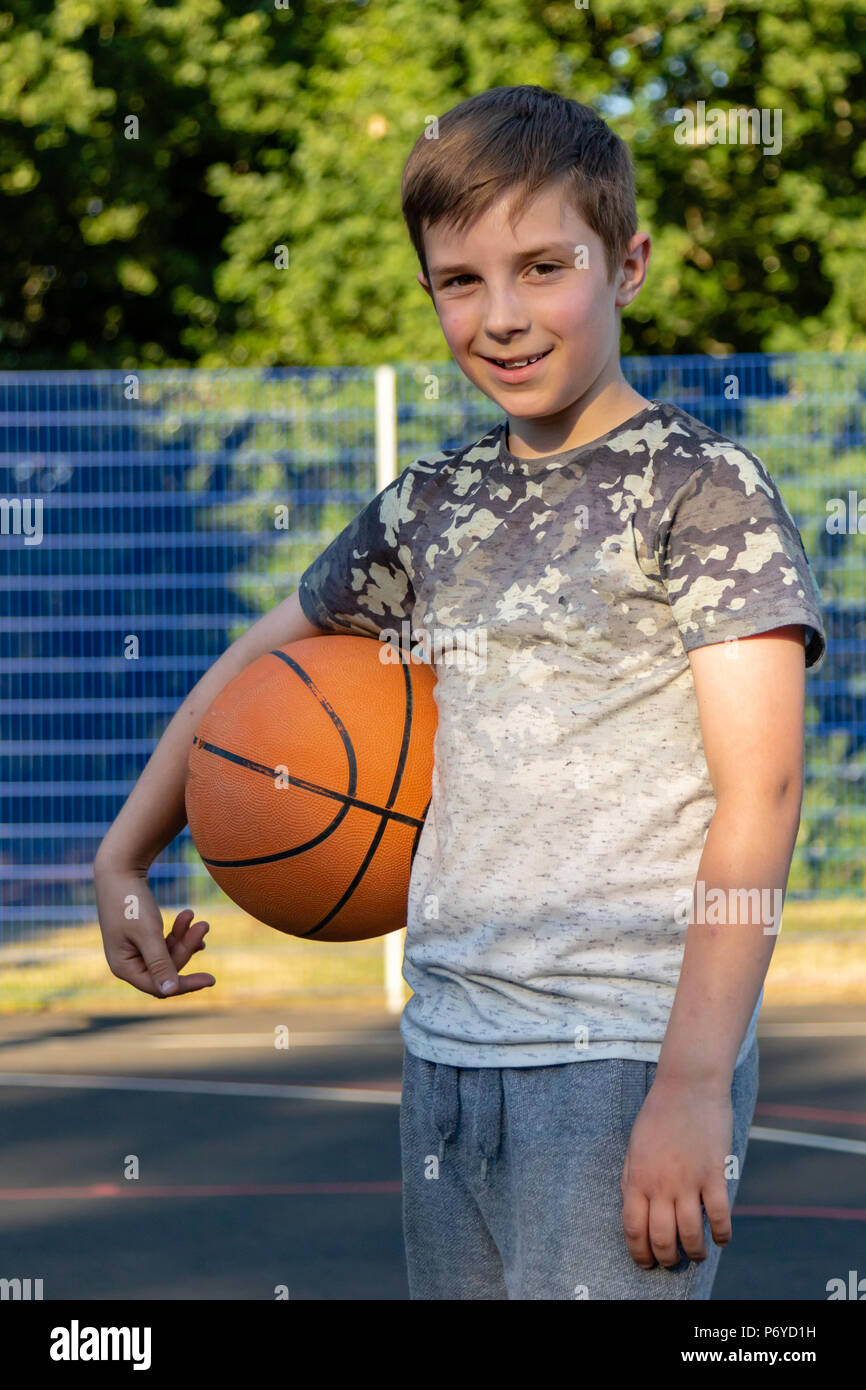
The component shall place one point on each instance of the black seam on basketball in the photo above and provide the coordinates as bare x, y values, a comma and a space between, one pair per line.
351, 887
234, 757
332, 713
404, 744
272, 773
385, 815
350, 803
418, 835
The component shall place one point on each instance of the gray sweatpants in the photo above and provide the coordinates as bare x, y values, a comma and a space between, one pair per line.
511, 1181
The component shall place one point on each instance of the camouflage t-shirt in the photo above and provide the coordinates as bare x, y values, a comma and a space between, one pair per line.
558, 598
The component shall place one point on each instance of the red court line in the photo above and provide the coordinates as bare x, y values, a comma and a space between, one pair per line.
134, 1189
329, 1189
809, 1213
808, 1112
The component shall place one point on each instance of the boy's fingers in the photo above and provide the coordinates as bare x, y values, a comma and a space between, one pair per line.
635, 1224
198, 981
690, 1226
718, 1210
160, 967
164, 957
180, 925
185, 984
182, 950
663, 1231
134, 973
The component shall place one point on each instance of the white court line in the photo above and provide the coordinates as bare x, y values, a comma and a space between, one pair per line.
202, 1088
339, 1093
182, 1040
335, 1037
812, 1030
809, 1141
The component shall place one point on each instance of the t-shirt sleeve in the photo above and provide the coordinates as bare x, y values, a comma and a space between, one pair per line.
732, 560
361, 583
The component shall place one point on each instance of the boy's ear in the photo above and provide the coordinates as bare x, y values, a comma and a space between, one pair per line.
424, 283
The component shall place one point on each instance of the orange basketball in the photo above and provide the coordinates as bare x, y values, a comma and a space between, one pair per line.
309, 781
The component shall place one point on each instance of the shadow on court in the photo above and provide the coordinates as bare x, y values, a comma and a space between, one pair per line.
262, 1168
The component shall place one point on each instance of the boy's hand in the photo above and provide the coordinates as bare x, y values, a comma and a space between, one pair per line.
135, 949
675, 1159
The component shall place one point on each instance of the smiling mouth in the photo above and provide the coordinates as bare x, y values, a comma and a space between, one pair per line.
521, 361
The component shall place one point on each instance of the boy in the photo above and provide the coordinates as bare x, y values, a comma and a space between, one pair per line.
617, 782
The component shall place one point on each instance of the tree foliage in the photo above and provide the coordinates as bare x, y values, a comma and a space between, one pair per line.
154, 158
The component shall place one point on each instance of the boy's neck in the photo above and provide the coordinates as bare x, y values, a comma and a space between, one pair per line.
613, 406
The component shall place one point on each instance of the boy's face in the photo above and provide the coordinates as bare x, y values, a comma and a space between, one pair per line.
513, 294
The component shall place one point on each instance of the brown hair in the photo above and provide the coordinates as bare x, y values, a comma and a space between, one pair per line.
521, 138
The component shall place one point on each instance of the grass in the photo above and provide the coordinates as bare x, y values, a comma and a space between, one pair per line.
820, 957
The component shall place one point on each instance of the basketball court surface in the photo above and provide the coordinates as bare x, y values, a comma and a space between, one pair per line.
263, 1168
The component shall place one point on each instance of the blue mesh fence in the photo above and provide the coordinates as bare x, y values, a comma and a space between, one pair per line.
161, 495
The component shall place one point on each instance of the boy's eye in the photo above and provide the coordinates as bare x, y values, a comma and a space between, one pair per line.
539, 265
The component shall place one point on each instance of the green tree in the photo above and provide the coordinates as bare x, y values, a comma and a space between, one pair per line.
156, 159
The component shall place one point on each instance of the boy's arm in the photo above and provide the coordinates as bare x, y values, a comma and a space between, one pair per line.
155, 812
751, 696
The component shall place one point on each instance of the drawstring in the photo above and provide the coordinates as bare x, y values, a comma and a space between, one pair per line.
487, 1127
446, 1103
488, 1115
